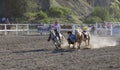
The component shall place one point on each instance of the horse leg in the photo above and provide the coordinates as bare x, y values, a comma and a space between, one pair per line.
79, 44
85, 43
74, 45
69, 45
88, 43
49, 38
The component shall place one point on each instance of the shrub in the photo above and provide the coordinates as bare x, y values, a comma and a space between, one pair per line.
30, 15
41, 15
55, 12
47, 20
102, 13
92, 20
66, 11
58, 11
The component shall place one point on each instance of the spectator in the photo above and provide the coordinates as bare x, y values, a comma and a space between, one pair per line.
3, 19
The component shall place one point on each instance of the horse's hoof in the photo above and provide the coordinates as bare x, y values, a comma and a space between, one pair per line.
78, 48
86, 48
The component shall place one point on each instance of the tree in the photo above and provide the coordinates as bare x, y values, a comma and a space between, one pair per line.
17, 8
114, 8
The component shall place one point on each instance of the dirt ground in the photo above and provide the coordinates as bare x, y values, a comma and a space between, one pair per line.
35, 53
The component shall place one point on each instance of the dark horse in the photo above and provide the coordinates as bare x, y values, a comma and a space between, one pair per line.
56, 40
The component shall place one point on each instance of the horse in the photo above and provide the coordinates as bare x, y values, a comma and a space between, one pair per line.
81, 38
57, 42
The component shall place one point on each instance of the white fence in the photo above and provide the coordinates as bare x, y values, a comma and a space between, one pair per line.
109, 28
28, 29
17, 29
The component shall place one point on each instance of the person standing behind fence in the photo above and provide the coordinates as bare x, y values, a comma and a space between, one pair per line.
3, 20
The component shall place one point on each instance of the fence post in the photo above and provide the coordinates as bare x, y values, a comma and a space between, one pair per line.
28, 31
59, 28
5, 25
73, 29
16, 29
96, 28
111, 30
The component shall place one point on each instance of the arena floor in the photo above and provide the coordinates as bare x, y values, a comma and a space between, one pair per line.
35, 53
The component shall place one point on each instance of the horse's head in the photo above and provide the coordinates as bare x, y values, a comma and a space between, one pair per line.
62, 37
56, 38
78, 31
52, 34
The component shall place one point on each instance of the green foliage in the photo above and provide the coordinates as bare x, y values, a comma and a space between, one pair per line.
30, 16
30, 10
92, 20
55, 12
112, 19
17, 8
54, 3
45, 20
41, 15
73, 19
66, 11
58, 11
114, 8
31, 5
102, 13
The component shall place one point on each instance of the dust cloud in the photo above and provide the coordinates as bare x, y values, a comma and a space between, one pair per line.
64, 43
95, 42
100, 42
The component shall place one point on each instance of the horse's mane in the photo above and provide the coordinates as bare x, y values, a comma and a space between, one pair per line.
52, 31
62, 36
79, 31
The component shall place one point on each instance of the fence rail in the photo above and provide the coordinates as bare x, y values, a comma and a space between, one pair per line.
112, 29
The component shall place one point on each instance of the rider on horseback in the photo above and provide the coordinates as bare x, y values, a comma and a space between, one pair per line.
85, 33
55, 27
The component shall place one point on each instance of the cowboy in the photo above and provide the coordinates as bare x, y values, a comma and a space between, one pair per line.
85, 33
55, 27
71, 38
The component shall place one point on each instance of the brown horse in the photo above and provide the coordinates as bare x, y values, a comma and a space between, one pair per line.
81, 38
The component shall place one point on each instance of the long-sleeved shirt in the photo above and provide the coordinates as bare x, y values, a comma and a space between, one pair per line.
72, 37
